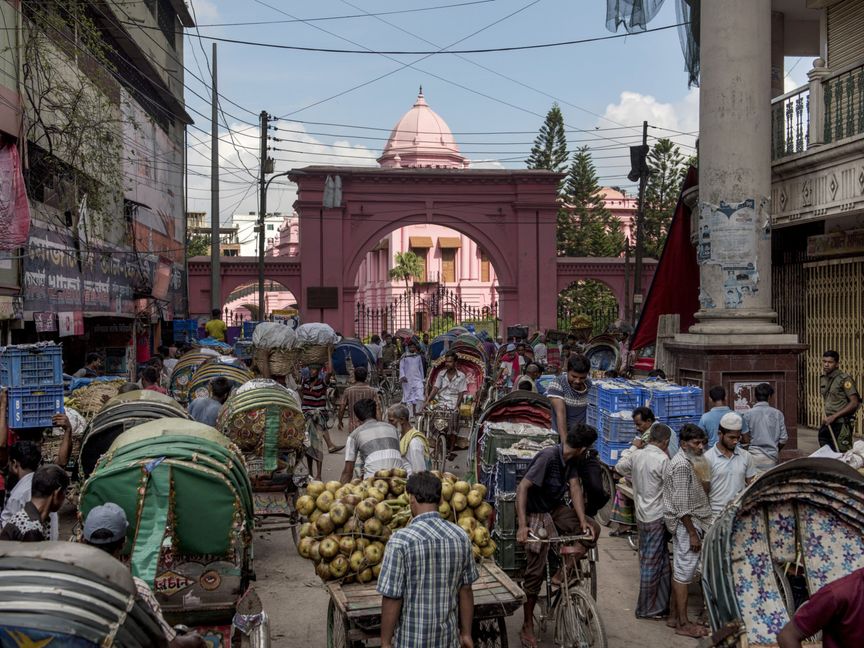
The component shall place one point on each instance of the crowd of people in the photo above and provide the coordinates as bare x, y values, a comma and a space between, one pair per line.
681, 481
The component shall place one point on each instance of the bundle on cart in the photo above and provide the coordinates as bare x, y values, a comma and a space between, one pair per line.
348, 525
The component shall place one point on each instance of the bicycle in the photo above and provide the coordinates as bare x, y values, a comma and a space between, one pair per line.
572, 605
291, 483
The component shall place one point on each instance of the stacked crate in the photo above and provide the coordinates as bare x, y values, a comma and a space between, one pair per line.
34, 375
510, 468
610, 411
185, 331
249, 328
674, 405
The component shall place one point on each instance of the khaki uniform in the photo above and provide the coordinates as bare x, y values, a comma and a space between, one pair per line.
837, 390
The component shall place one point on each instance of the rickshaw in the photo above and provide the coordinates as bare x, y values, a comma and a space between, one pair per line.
178, 385
604, 354
233, 371
70, 594
188, 499
437, 422
122, 412
439, 345
798, 527
264, 420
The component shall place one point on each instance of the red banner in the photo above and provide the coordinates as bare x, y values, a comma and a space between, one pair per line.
14, 208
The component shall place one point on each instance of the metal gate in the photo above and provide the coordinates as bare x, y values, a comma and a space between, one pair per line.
434, 311
834, 319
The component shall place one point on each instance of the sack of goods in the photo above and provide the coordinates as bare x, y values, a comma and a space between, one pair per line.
316, 333
270, 335
264, 420
348, 525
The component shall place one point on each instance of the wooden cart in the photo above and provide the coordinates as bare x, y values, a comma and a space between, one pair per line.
354, 613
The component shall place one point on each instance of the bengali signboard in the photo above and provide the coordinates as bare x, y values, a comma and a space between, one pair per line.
848, 242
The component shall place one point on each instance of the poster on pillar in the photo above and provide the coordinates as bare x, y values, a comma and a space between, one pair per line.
728, 239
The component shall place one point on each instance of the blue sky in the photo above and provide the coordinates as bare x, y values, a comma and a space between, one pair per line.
605, 84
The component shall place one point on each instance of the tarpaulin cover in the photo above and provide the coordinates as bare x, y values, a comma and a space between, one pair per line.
675, 288
14, 208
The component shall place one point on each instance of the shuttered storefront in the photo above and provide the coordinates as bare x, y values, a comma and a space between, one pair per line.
845, 33
834, 319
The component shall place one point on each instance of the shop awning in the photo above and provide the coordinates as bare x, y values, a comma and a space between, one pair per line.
449, 242
420, 241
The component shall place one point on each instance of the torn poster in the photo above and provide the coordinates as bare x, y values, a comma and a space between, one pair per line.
727, 233
738, 283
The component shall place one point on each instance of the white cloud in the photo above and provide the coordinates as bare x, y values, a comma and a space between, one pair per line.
633, 107
205, 11
238, 187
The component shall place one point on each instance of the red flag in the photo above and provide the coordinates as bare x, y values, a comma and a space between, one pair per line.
675, 288
14, 208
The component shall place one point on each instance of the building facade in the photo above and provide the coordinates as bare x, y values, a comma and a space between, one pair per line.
102, 168
247, 230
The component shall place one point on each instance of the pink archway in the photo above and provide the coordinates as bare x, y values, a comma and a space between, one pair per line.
511, 214
609, 271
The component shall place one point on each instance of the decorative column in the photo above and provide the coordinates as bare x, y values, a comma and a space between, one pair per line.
736, 341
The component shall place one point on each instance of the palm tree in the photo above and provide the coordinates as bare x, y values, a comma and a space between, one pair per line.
408, 265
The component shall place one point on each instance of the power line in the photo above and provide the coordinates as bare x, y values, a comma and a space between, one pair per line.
480, 50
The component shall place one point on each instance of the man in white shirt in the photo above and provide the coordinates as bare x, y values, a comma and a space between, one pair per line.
645, 468
374, 347
450, 387
24, 459
541, 351
732, 468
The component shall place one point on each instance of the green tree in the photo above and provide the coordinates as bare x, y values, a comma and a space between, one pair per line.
198, 245
587, 299
665, 164
550, 146
585, 226
408, 265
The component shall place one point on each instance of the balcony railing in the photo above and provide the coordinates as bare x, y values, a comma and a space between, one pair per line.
790, 123
827, 110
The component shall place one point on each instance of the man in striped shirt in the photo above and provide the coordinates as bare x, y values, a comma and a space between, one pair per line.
373, 446
354, 393
426, 576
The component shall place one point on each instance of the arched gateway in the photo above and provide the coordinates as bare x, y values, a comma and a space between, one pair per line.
511, 214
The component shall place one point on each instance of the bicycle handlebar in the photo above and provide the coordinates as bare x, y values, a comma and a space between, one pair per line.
559, 540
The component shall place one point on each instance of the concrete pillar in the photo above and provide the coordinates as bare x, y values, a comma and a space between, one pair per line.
734, 237
778, 49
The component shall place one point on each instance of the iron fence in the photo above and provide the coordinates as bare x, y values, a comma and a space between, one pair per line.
790, 123
433, 311
601, 317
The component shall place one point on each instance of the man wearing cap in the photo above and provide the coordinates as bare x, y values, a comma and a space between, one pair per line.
105, 528
732, 468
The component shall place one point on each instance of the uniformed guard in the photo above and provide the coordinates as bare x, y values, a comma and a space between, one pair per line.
841, 401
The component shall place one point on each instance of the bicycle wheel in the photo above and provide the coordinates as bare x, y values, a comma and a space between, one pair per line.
578, 623
588, 576
438, 453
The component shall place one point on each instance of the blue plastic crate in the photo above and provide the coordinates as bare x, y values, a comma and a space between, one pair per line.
31, 366
681, 401
614, 429
610, 453
31, 407
677, 422
509, 471
185, 330
591, 415
249, 328
488, 480
624, 395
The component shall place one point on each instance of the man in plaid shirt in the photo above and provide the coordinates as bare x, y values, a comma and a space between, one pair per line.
428, 570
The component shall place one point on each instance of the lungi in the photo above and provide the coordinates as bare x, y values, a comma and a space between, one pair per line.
654, 572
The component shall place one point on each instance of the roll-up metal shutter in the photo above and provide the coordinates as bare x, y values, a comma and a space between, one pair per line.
845, 33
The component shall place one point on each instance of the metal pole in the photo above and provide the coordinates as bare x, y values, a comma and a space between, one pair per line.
262, 214
216, 276
640, 233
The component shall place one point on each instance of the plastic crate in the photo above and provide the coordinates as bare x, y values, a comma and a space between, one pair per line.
610, 453
249, 328
617, 396
185, 330
509, 471
673, 403
31, 366
677, 422
591, 415
614, 429
243, 349
31, 407
487, 478
505, 513
510, 556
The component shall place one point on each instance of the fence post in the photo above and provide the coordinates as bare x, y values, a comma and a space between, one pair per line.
818, 116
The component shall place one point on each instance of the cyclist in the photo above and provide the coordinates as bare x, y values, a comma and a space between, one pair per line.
313, 395
450, 388
540, 504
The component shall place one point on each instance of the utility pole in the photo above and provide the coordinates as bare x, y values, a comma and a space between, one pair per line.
216, 273
640, 222
262, 213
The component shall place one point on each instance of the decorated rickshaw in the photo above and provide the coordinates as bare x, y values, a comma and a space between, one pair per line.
439, 345
438, 421
188, 499
264, 420
233, 370
178, 385
70, 594
794, 530
119, 414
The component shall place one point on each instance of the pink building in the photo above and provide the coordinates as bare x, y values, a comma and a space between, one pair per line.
623, 207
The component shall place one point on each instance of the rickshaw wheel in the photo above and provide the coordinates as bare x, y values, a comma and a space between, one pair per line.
604, 515
337, 628
490, 633
439, 453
